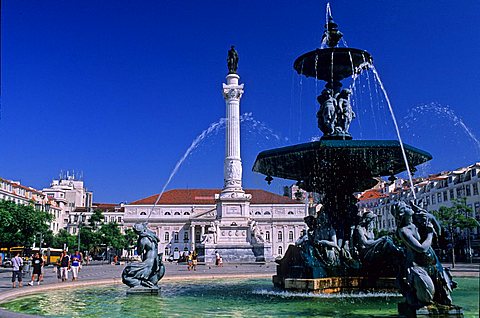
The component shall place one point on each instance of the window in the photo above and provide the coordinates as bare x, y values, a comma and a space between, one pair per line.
475, 189
167, 236
167, 251
175, 249
175, 236
452, 194
439, 197
290, 213
186, 213
280, 250
290, 236
168, 213
433, 199
143, 213
267, 213
280, 236
176, 213
445, 196
267, 236
185, 235
258, 213
197, 236
185, 249
468, 190
459, 192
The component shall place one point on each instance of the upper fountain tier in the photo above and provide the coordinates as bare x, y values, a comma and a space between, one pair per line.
332, 64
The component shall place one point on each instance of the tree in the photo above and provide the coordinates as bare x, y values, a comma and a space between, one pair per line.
63, 238
96, 219
90, 239
455, 219
19, 224
110, 235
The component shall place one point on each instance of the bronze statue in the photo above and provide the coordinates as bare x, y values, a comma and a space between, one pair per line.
424, 281
327, 115
147, 273
376, 255
345, 113
232, 60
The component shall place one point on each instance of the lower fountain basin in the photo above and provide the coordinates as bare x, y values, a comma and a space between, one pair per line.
225, 297
350, 163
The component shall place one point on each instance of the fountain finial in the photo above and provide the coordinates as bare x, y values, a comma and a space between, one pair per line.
331, 35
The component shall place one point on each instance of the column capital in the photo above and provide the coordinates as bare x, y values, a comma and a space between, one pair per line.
232, 92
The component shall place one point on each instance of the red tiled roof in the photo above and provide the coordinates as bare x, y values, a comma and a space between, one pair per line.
207, 196
371, 194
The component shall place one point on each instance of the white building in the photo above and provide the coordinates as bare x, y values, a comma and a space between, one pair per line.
20, 194
432, 192
112, 213
68, 193
183, 217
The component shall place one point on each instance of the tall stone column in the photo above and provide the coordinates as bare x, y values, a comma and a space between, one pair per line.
232, 171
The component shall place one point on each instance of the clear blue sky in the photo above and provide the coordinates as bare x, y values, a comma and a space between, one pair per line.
119, 89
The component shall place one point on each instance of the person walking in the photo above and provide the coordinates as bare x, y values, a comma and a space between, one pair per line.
217, 258
37, 263
17, 268
75, 264
194, 260
64, 266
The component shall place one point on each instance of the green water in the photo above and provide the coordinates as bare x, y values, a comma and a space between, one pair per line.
220, 298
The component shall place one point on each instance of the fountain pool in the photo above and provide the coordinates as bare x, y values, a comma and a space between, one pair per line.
221, 298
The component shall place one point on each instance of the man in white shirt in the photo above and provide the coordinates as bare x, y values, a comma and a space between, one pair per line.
17, 263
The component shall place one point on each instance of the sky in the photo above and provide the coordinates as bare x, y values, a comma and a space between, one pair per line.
119, 90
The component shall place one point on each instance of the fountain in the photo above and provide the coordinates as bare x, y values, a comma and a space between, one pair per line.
338, 252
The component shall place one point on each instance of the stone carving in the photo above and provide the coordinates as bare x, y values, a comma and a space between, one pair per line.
230, 93
214, 230
232, 60
233, 173
255, 232
147, 273
423, 281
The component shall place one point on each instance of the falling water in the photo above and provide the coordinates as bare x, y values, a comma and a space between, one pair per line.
214, 128
371, 98
377, 77
446, 112
316, 74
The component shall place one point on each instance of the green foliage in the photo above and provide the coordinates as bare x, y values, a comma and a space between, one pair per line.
130, 239
96, 219
456, 216
19, 224
111, 236
63, 237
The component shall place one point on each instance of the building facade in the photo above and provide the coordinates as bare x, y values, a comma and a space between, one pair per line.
184, 219
16, 192
69, 193
431, 193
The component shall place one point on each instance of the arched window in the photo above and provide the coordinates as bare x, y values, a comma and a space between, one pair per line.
185, 236
167, 251
280, 236
280, 250
175, 236
185, 249
290, 236
143, 213
258, 213
186, 213
168, 213
267, 236
176, 249
266, 213
290, 213
167, 236
176, 213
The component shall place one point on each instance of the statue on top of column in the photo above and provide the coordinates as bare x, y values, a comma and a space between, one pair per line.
232, 60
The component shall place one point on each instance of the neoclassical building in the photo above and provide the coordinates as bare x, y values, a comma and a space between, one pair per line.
184, 218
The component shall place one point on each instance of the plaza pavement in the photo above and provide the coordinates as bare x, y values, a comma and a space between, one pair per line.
105, 274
